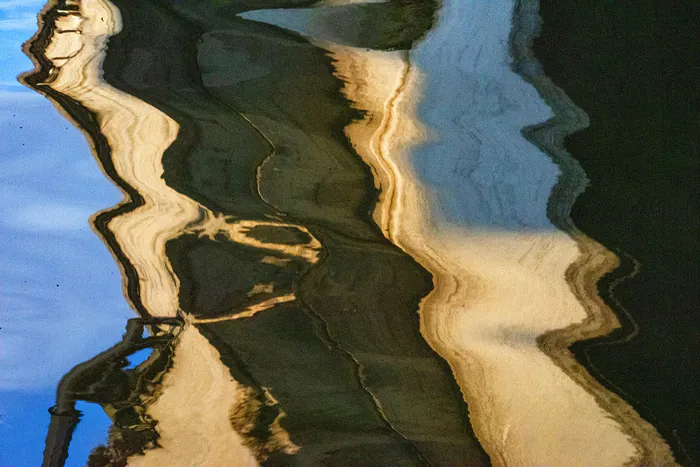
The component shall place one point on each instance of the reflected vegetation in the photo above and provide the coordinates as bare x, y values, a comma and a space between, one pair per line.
345, 232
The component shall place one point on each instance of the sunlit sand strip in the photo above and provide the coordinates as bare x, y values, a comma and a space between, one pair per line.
496, 292
371, 80
250, 311
201, 434
197, 396
138, 135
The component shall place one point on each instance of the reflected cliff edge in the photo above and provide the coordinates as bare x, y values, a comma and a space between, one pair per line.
345, 232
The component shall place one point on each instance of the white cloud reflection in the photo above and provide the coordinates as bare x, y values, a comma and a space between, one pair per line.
25, 22
29, 4
52, 217
60, 290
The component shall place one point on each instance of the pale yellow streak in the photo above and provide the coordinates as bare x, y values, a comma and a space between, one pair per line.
370, 79
198, 393
251, 310
495, 294
237, 231
192, 412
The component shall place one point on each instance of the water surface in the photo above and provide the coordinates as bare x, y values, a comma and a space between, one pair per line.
344, 234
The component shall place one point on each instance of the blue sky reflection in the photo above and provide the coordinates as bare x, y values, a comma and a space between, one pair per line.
60, 290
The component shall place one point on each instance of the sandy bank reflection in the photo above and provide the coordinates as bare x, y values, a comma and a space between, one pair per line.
464, 192
326, 358
194, 401
253, 233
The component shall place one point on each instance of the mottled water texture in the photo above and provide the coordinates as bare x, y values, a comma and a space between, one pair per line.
347, 236
630, 67
344, 360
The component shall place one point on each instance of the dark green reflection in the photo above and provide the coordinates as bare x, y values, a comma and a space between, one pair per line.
628, 66
261, 138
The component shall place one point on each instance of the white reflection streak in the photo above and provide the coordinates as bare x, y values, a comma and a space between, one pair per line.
496, 290
193, 411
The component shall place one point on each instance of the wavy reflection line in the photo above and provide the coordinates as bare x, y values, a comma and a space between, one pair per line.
500, 298
69, 51
595, 261
138, 135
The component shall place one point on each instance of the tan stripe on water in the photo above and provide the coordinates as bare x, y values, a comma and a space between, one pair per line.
198, 395
495, 294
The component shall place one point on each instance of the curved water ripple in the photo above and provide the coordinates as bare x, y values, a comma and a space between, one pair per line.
334, 241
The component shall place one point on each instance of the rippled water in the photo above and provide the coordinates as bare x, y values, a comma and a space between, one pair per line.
336, 233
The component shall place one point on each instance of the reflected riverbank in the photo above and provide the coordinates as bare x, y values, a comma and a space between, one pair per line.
275, 298
341, 248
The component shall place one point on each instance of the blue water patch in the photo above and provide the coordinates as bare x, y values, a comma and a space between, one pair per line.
138, 358
91, 432
61, 301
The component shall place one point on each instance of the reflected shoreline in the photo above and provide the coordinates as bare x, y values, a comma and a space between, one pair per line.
595, 260
279, 256
184, 234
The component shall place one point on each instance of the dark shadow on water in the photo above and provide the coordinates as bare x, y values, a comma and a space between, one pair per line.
261, 118
261, 139
628, 66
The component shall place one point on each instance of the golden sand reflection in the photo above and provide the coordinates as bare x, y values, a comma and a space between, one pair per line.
198, 392
506, 305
